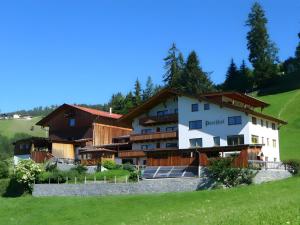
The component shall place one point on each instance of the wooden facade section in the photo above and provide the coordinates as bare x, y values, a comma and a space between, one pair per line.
63, 150
154, 120
40, 156
103, 134
131, 154
153, 136
172, 158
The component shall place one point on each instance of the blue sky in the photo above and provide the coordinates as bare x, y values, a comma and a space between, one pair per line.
59, 51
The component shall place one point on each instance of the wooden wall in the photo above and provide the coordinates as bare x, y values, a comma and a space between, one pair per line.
62, 150
103, 134
172, 158
40, 156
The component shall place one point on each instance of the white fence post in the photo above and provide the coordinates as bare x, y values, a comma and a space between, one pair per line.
115, 179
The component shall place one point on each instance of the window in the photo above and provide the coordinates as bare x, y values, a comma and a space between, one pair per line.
196, 142
175, 111
206, 106
267, 124
263, 140
162, 113
158, 145
146, 131
72, 122
234, 120
273, 126
254, 139
144, 147
171, 145
274, 143
171, 129
235, 140
216, 141
197, 124
254, 120
268, 142
261, 122
195, 107
157, 129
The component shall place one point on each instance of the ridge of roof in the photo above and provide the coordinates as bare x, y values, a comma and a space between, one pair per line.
97, 112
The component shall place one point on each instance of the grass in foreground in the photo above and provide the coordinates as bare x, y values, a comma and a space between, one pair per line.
271, 203
286, 106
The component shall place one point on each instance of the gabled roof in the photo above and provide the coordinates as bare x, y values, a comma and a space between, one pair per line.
167, 93
244, 98
94, 112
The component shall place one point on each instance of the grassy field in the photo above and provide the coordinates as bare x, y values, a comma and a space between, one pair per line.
286, 106
270, 203
10, 127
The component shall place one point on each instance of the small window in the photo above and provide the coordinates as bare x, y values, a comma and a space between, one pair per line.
171, 145
216, 141
144, 147
176, 111
197, 124
235, 140
261, 122
206, 106
273, 126
158, 145
162, 113
263, 140
195, 107
274, 143
267, 124
196, 142
234, 120
275, 159
170, 129
254, 139
254, 120
72, 122
268, 142
146, 131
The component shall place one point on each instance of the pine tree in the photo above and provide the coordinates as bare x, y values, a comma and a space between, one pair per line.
232, 77
173, 66
128, 102
137, 93
193, 80
149, 90
262, 52
297, 54
245, 78
117, 102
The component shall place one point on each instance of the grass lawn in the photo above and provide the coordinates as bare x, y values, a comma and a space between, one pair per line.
270, 203
286, 106
10, 127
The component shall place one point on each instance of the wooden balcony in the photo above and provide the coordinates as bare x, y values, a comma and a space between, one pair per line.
153, 120
131, 154
154, 136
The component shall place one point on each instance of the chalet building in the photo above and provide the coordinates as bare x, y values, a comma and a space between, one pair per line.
176, 129
75, 132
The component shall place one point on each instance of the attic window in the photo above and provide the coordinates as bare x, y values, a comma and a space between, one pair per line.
72, 122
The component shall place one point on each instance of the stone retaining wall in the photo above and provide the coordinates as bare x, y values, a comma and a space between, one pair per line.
145, 186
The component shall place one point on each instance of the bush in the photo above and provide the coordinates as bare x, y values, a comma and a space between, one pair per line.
109, 175
79, 169
27, 172
221, 171
50, 166
11, 188
4, 170
134, 176
293, 166
109, 164
129, 167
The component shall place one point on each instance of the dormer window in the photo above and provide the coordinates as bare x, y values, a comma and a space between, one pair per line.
72, 122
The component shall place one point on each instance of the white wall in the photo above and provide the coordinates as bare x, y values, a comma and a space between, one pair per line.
208, 131
262, 131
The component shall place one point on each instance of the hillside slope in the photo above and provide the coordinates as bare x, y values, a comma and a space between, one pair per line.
286, 106
9, 128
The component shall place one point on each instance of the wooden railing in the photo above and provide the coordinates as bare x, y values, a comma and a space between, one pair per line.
151, 120
153, 136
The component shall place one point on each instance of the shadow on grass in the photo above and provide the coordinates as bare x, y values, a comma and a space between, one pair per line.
10, 188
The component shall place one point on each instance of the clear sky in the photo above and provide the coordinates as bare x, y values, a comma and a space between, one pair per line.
59, 51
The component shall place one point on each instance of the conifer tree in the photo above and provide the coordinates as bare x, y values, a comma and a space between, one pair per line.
297, 54
149, 89
245, 78
262, 52
193, 79
137, 93
232, 77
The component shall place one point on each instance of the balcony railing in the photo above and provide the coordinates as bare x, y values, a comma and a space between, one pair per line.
153, 136
152, 120
131, 153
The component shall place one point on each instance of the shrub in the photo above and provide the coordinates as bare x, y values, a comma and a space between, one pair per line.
26, 173
221, 171
293, 166
81, 169
50, 166
129, 167
4, 170
134, 176
109, 164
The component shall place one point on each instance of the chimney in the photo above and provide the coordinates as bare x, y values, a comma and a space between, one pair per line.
110, 110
